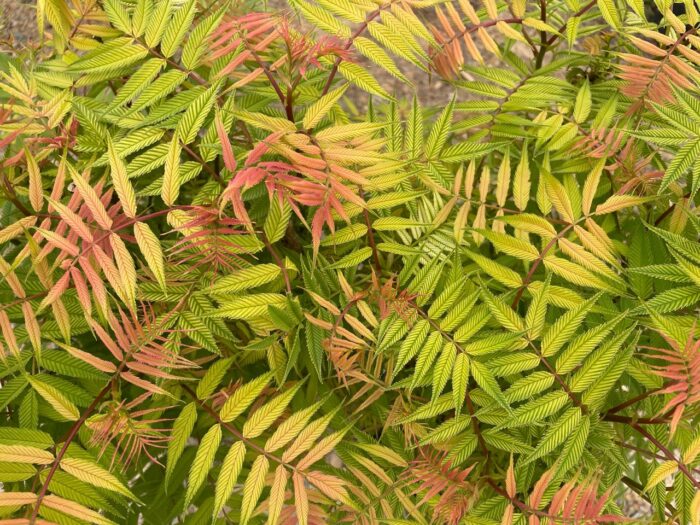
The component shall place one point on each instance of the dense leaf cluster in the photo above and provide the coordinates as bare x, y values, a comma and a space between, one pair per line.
242, 280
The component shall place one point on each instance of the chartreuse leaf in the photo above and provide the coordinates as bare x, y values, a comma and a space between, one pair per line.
319, 109
182, 429
58, 401
193, 119
94, 475
560, 332
203, 461
485, 379
177, 27
253, 487
322, 290
230, 470
460, 378
243, 397
153, 253
263, 417
213, 377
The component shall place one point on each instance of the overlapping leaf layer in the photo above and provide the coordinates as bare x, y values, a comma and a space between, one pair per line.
243, 280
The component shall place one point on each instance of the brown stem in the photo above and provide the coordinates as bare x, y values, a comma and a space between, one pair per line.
638, 489
669, 455
543, 36
468, 401
575, 400
535, 264
12, 196
370, 235
211, 171
233, 430
630, 420
668, 211
271, 79
278, 261
348, 45
69, 439
632, 401
289, 106
73, 432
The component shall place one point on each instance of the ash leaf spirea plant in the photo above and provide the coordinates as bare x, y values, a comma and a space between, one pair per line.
246, 279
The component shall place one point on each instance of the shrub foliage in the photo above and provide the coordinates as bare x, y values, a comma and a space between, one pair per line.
245, 280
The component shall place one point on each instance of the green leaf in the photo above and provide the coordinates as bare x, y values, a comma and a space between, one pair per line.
243, 397
246, 278
193, 118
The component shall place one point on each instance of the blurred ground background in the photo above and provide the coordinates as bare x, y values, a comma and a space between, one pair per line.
17, 20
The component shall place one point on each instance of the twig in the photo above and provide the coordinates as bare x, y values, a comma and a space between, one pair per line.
669, 455
348, 45
535, 264
66, 443
370, 235
278, 261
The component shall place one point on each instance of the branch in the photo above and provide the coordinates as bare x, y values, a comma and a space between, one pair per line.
535, 264
370, 235
669, 455
66, 443
278, 261
233, 430
348, 45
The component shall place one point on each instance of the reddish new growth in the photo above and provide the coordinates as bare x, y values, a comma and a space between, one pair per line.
435, 477
209, 239
391, 298
576, 504
129, 431
681, 369
304, 52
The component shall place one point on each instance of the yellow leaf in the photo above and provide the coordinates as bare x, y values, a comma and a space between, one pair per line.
253, 487
590, 187
619, 202
660, 473
56, 399
75, 509
263, 417
331, 486
319, 109
290, 428
92, 200
25, 454
323, 447
171, 174
301, 499
230, 469
16, 228
384, 453
559, 198
93, 474
243, 397
695, 509
36, 191
151, 250
277, 494
13, 499
120, 181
